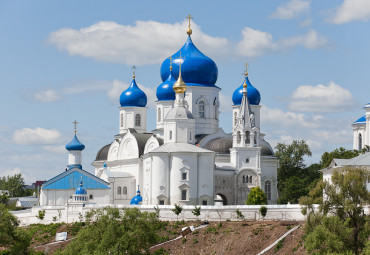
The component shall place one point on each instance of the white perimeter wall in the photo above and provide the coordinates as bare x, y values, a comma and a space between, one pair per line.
210, 213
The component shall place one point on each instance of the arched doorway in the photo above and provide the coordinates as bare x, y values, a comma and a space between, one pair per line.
220, 199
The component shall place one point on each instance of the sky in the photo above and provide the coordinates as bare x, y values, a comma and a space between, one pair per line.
62, 61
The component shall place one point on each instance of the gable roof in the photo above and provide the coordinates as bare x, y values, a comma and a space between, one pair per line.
71, 178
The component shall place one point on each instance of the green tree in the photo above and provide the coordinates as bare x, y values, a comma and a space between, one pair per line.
263, 211
294, 179
14, 184
344, 198
14, 239
256, 197
196, 211
177, 210
342, 153
115, 231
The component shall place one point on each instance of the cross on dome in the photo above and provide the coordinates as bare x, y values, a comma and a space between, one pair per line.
133, 71
75, 124
171, 59
189, 31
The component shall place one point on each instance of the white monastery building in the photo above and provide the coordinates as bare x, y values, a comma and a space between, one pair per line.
361, 130
188, 159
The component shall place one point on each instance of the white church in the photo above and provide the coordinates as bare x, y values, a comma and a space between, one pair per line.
361, 130
188, 159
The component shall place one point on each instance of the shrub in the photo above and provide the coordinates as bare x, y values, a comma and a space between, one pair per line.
256, 197
263, 211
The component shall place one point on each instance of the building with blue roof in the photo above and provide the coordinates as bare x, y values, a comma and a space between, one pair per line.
188, 159
361, 130
74, 182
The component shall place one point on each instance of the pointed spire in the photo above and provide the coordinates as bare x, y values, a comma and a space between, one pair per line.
179, 87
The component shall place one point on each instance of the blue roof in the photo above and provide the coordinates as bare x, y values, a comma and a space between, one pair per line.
165, 91
75, 145
361, 120
133, 96
196, 69
71, 178
254, 96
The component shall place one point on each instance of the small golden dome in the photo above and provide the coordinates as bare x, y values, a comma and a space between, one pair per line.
189, 31
179, 86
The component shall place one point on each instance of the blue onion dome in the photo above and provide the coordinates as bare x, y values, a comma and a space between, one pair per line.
136, 200
133, 96
196, 69
81, 190
253, 94
75, 145
165, 91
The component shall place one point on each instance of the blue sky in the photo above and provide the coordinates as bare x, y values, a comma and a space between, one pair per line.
67, 60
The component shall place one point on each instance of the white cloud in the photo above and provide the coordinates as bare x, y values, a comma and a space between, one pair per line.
147, 42
117, 87
310, 40
46, 96
255, 43
58, 149
291, 9
36, 136
288, 119
351, 10
321, 98
306, 23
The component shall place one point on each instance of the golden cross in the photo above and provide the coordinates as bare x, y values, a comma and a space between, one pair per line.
180, 57
133, 71
246, 69
170, 58
75, 123
189, 17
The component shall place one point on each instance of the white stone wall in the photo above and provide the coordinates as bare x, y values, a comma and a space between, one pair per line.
165, 107
128, 119
211, 213
208, 124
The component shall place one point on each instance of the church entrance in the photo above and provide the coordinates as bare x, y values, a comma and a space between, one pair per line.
220, 199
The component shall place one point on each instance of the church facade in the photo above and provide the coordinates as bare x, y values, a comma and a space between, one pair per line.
188, 159
361, 130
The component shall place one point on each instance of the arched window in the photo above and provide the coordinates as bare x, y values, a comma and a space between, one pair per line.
250, 179
243, 179
255, 137
121, 119
247, 160
238, 137
119, 190
201, 109
137, 120
247, 137
268, 190
216, 108
124, 191
359, 142
170, 135
235, 118
159, 115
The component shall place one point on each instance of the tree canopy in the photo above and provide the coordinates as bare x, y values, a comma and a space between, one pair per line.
340, 224
14, 184
294, 179
115, 231
14, 239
